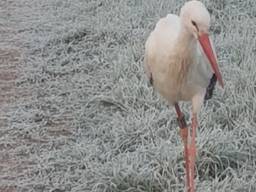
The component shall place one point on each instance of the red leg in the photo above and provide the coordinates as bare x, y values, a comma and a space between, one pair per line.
192, 152
184, 136
186, 156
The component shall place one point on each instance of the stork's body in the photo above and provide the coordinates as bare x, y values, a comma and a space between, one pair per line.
180, 62
176, 62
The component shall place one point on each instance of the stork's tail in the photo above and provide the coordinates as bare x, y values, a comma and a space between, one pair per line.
210, 88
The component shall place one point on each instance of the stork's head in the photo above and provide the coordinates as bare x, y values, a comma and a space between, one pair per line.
196, 19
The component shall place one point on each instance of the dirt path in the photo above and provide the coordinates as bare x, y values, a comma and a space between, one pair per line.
10, 63
20, 124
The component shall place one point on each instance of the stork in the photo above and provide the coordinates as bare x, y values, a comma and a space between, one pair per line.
181, 64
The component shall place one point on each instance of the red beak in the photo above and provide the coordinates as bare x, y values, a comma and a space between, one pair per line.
206, 45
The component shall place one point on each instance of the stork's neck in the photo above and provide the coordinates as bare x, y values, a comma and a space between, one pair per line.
184, 55
186, 41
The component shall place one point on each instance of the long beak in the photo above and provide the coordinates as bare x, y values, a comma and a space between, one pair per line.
206, 45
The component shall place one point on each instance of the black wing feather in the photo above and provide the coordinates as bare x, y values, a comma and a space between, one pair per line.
210, 88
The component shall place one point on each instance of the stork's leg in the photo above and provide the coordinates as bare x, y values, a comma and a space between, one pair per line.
197, 102
184, 136
192, 151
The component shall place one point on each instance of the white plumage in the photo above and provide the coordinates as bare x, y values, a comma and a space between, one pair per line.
174, 58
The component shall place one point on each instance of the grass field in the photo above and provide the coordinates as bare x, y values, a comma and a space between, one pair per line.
77, 113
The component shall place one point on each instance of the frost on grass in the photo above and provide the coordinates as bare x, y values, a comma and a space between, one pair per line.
92, 123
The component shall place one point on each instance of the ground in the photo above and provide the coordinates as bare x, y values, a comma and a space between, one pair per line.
78, 114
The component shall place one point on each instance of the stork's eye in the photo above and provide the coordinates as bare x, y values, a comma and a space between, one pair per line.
195, 25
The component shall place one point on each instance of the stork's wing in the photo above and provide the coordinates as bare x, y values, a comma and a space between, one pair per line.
159, 44
147, 68
210, 88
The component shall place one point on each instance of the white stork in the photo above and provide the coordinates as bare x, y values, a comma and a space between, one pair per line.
181, 64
